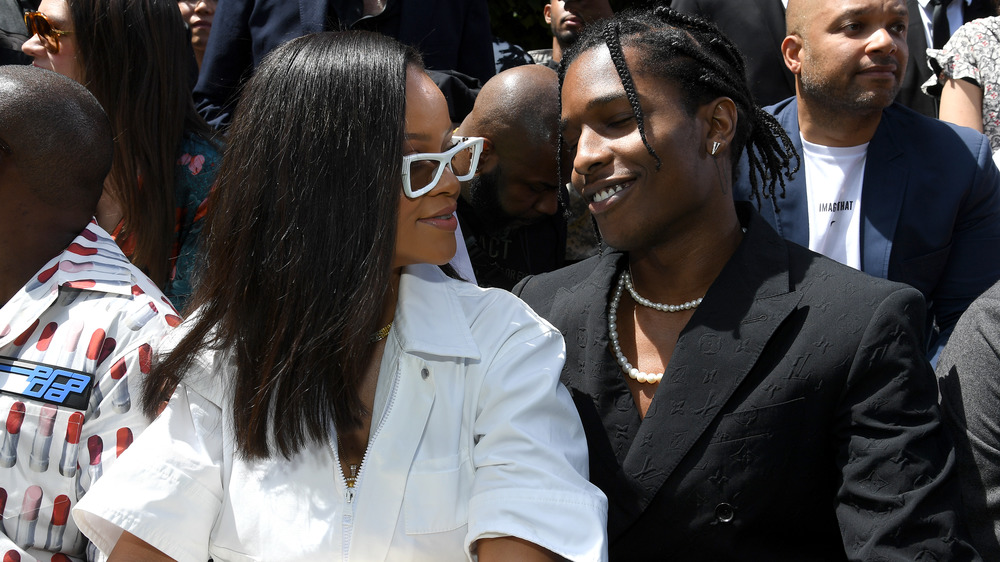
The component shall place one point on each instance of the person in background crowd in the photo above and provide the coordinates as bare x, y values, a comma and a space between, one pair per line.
931, 23
12, 30
198, 15
340, 396
509, 210
966, 77
567, 19
757, 28
969, 377
883, 189
508, 55
453, 36
77, 320
126, 52
743, 397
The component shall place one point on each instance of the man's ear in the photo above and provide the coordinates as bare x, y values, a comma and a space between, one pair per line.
791, 51
547, 13
489, 158
722, 116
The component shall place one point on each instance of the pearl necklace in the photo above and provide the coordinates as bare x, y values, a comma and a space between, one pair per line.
633, 373
626, 367
627, 278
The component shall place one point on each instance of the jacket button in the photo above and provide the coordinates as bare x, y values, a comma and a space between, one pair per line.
424, 373
724, 513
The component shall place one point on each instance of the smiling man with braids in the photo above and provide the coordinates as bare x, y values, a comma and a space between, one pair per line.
743, 397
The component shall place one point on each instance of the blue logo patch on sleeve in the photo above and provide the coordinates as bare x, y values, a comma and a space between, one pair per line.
45, 383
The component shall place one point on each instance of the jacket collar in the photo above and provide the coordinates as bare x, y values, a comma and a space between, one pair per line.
92, 262
429, 315
884, 187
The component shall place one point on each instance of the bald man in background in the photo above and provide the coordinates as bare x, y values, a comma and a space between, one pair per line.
78, 321
509, 211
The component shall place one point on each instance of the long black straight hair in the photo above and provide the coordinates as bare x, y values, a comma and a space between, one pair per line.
300, 239
132, 55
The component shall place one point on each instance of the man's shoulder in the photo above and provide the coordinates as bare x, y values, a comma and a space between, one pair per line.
539, 290
782, 106
898, 117
817, 272
938, 146
98, 285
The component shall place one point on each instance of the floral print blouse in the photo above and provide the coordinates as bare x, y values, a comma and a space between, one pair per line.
972, 54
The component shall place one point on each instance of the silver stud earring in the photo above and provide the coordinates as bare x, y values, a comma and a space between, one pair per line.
715, 147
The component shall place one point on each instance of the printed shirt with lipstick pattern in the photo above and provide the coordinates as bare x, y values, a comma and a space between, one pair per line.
90, 312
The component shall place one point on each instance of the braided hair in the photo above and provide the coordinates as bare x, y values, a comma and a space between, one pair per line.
705, 65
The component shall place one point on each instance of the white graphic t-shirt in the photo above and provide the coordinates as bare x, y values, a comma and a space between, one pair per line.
833, 189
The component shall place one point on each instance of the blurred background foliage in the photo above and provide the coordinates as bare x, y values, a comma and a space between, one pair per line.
521, 22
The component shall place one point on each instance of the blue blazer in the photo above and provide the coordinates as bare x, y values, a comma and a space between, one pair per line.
451, 35
930, 210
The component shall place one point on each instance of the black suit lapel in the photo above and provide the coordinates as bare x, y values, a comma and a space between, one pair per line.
590, 367
605, 404
721, 344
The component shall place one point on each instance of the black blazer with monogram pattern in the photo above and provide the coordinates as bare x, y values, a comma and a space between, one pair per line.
797, 418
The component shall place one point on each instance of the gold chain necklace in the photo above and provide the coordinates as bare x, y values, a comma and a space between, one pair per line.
381, 334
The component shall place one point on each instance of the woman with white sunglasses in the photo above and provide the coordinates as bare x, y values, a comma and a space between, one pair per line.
338, 396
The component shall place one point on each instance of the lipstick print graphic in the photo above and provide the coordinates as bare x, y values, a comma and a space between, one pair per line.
124, 437
60, 513
68, 463
121, 402
8, 451
96, 397
3, 507
70, 332
25, 536
137, 320
39, 459
79, 483
96, 446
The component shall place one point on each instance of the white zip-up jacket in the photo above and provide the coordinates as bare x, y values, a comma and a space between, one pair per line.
473, 437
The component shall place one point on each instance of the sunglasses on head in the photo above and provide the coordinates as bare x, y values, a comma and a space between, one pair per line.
40, 25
